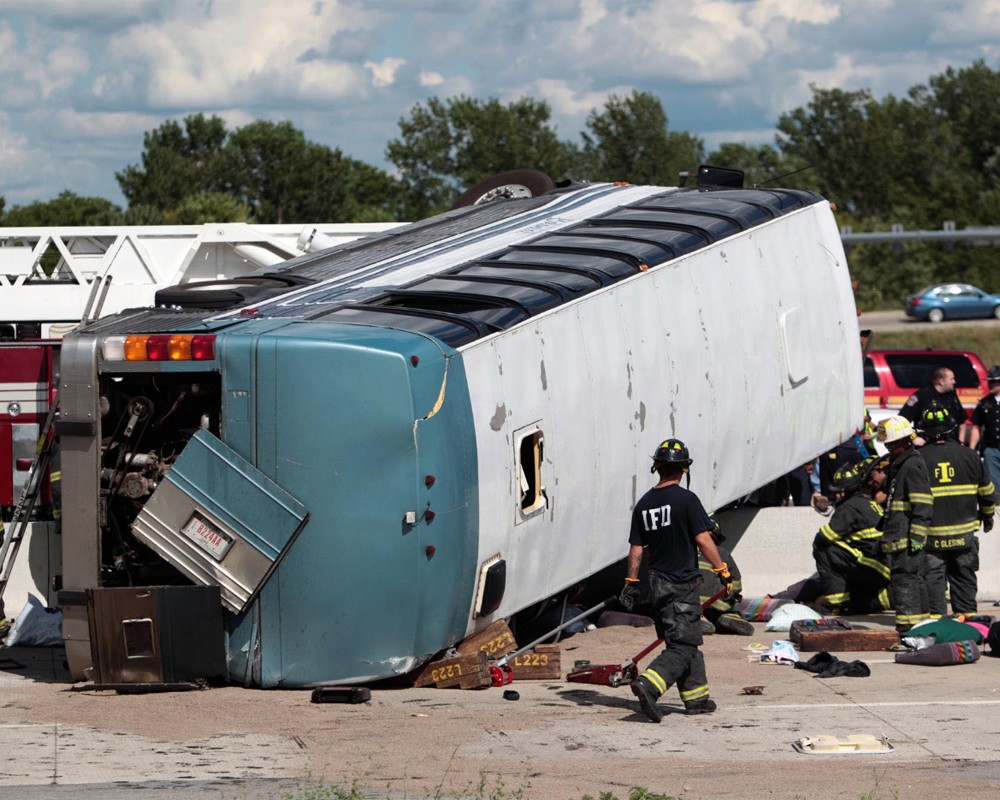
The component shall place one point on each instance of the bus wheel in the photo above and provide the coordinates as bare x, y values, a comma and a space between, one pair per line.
511, 185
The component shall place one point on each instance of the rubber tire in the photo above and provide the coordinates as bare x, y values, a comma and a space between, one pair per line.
222, 294
935, 315
996, 312
523, 182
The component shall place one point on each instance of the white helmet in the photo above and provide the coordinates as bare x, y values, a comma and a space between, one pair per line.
892, 429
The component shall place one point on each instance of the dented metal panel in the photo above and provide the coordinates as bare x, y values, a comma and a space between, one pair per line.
219, 520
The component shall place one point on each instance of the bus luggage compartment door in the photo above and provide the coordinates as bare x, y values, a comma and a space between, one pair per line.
220, 521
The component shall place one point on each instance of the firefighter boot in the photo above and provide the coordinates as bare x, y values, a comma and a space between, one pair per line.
706, 706
734, 623
647, 698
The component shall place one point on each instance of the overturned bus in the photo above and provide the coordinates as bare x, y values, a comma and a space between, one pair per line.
432, 429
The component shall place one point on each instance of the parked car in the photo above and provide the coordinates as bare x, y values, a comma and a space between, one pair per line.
891, 376
952, 301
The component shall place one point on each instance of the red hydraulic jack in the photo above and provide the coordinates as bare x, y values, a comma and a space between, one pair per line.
500, 672
626, 672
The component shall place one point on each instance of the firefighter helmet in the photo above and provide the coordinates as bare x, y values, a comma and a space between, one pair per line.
848, 478
858, 474
936, 422
893, 429
672, 451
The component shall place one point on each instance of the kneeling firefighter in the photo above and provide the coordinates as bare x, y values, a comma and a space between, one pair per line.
721, 616
848, 558
670, 522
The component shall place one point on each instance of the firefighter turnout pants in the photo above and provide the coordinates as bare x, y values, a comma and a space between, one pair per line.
907, 589
852, 581
677, 614
954, 569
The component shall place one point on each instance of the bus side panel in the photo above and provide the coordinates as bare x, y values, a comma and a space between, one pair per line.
667, 353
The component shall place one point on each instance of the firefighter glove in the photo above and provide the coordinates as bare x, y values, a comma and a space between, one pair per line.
726, 577
629, 598
987, 522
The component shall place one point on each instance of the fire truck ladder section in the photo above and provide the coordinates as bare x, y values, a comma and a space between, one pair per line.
26, 502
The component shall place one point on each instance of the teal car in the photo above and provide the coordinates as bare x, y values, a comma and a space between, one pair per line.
952, 301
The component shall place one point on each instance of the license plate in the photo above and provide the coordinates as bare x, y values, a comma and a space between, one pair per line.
207, 536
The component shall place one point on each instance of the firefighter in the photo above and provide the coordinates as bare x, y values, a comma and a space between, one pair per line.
721, 616
908, 510
985, 433
848, 558
672, 524
940, 391
963, 498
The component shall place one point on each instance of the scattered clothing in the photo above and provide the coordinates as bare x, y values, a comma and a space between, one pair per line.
942, 655
946, 630
829, 666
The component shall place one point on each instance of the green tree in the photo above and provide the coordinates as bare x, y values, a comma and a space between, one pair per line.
850, 141
283, 177
177, 161
629, 141
449, 145
970, 99
68, 209
196, 209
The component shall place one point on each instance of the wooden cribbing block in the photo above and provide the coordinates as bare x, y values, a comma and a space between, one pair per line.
540, 664
854, 640
469, 671
495, 640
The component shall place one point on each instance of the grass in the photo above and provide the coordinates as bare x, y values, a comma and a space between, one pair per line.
318, 790
980, 339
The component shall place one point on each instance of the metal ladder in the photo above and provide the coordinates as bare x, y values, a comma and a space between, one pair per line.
26, 502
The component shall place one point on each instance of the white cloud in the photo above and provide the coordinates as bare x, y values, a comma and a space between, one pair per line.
384, 71
82, 80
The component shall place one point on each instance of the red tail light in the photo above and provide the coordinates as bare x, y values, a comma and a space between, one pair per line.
203, 348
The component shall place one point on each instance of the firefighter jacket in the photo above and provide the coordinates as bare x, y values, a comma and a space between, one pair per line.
855, 529
962, 491
908, 504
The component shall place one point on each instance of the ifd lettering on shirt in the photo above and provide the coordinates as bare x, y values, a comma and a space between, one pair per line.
655, 518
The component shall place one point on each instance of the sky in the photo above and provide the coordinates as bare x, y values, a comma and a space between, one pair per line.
81, 81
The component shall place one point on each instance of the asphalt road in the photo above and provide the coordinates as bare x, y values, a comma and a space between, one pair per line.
898, 321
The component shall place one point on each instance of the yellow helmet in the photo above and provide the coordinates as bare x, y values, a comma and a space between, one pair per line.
892, 429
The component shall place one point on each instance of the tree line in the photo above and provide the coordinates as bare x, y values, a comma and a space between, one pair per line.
919, 160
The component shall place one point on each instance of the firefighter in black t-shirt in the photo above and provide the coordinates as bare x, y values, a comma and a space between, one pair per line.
672, 525
963, 497
848, 559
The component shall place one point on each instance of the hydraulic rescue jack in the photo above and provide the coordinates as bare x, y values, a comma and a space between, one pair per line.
500, 672
626, 672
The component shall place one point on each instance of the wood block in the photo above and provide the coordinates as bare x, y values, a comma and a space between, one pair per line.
540, 664
495, 640
469, 671
838, 641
